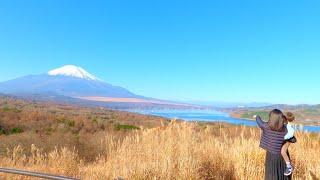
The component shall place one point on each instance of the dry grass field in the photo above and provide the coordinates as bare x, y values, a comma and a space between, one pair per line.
178, 150
50, 125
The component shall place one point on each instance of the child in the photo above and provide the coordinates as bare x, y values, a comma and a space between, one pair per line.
289, 138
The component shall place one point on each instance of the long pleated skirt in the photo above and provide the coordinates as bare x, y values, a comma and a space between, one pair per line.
275, 167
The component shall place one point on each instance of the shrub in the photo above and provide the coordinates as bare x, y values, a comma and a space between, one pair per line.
71, 123
48, 130
2, 131
68, 122
94, 120
8, 109
119, 127
61, 120
16, 130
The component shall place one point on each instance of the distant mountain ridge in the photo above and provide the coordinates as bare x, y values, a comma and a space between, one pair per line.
76, 83
221, 104
68, 80
63, 85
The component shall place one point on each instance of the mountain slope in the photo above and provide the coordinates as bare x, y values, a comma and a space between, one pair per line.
73, 84
62, 85
68, 81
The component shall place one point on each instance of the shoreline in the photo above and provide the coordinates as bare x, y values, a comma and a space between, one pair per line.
299, 122
228, 119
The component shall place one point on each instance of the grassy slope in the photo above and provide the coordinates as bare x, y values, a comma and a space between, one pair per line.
48, 125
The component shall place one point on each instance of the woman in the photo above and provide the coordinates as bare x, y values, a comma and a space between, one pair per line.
272, 139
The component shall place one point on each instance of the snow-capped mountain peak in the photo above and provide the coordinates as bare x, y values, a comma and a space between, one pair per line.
73, 71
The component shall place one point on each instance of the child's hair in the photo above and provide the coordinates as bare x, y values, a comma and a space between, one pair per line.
289, 116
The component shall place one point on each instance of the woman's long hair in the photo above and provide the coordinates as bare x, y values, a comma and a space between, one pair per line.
276, 120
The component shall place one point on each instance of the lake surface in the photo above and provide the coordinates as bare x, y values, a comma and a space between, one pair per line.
210, 116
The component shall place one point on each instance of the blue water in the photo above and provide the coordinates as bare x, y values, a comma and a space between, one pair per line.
210, 116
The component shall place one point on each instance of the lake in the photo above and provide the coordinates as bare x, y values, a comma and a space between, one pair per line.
210, 116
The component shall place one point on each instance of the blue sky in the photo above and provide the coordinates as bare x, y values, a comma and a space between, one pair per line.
235, 51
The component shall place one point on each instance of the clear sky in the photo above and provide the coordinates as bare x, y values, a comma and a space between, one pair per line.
240, 51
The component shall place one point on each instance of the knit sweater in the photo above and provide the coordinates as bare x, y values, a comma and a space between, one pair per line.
271, 141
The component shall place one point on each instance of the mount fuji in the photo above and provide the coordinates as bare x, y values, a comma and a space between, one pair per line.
73, 83
68, 80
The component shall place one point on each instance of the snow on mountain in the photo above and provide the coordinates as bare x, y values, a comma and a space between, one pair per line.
69, 80
74, 84
73, 71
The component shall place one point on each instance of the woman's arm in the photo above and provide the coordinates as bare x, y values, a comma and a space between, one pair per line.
260, 123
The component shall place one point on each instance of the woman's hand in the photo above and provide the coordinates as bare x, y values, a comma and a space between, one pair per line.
260, 123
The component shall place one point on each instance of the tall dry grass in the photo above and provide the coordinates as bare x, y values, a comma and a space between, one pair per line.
176, 151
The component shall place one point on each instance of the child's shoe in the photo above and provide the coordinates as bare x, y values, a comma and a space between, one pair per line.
288, 171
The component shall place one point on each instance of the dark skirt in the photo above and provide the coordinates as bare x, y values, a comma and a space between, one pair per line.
275, 167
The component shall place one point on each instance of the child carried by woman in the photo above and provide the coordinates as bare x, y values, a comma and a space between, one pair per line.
288, 139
